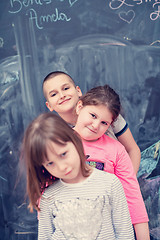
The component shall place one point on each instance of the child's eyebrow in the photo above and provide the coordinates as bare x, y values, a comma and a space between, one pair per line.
98, 116
63, 85
52, 91
108, 122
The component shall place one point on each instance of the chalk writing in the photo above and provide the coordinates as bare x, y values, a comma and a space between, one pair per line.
156, 14
16, 6
57, 16
72, 2
129, 15
115, 4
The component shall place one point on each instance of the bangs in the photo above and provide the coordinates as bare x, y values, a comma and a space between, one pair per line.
50, 147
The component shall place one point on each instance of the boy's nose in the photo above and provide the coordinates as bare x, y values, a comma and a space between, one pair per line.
61, 94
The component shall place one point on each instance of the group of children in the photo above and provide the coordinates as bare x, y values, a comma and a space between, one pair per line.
84, 180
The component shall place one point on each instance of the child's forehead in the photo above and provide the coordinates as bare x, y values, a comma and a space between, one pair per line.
55, 146
61, 78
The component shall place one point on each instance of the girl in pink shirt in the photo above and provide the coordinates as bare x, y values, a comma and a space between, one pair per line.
97, 110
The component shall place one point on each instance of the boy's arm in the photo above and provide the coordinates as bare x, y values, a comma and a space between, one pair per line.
125, 137
127, 140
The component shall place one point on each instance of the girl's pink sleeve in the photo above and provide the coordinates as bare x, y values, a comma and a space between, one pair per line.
125, 172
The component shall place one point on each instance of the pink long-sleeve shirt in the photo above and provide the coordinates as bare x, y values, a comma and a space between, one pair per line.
110, 155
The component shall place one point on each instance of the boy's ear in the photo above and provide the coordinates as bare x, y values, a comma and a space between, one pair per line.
79, 107
79, 91
49, 107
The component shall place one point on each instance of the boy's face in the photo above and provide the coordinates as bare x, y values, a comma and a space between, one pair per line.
93, 121
61, 94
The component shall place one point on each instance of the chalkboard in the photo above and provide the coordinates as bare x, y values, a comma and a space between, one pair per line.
96, 42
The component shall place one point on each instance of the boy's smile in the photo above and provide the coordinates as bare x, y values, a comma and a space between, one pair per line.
62, 95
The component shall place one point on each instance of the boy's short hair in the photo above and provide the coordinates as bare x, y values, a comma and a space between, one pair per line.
52, 75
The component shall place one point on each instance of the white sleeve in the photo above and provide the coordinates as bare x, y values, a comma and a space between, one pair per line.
118, 127
45, 224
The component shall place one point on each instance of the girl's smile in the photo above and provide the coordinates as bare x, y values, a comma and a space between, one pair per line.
93, 121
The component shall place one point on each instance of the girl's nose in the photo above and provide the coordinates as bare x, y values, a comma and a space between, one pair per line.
95, 125
62, 167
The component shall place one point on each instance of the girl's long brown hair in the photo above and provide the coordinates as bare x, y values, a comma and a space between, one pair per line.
45, 128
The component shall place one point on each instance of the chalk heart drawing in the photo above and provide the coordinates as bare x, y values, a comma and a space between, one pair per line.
72, 2
127, 16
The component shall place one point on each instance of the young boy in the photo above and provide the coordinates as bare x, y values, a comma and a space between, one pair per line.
62, 96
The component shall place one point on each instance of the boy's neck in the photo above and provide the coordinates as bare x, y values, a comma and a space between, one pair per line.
70, 118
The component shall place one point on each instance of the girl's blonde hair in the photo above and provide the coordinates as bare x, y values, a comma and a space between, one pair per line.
45, 128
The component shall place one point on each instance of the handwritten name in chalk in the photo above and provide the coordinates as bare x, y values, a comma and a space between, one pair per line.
116, 4
156, 14
129, 15
18, 5
40, 20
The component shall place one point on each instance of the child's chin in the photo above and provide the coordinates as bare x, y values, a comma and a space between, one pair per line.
90, 139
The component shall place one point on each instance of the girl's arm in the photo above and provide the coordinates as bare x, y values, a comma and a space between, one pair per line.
45, 223
125, 172
142, 231
127, 140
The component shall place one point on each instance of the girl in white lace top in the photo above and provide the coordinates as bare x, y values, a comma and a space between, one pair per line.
77, 201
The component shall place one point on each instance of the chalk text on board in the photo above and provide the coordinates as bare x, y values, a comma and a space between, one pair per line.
156, 14
17, 5
57, 16
128, 16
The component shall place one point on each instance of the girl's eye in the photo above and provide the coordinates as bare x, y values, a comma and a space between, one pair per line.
104, 123
93, 116
49, 164
63, 154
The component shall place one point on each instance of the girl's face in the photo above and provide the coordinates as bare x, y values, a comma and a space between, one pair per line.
64, 162
93, 121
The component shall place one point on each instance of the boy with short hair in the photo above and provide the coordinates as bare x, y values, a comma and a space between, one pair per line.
62, 96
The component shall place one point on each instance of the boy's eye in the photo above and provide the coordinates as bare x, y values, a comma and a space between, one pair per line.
66, 88
53, 94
